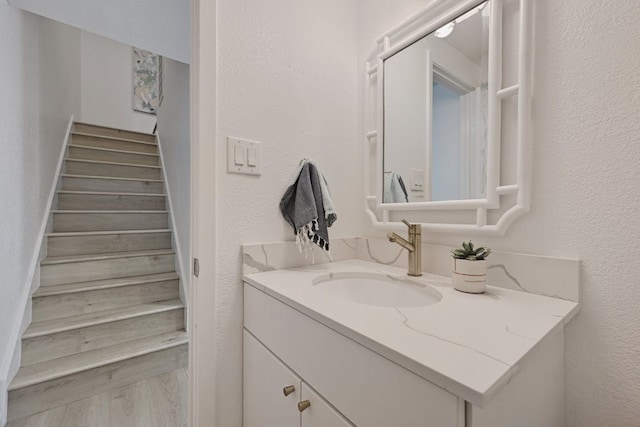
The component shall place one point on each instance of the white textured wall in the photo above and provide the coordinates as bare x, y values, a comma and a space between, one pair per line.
585, 200
160, 26
287, 78
586, 168
107, 85
39, 65
173, 130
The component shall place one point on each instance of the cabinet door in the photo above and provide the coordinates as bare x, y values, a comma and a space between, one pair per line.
265, 377
320, 413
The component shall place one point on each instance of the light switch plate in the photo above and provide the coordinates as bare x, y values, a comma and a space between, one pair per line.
252, 157
239, 152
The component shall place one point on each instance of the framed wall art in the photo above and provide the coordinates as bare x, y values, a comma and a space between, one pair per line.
147, 81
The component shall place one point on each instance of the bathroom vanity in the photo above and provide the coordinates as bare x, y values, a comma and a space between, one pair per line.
359, 343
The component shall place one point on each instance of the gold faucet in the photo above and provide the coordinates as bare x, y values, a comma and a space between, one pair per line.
413, 247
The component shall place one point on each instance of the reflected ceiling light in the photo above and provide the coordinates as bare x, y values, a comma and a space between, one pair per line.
469, 14
445, 30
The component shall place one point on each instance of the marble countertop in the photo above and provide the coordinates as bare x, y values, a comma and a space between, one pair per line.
470, 345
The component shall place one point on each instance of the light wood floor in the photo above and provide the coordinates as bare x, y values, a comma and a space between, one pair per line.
159, 401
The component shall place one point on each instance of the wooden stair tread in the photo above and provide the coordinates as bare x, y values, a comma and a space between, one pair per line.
57, 368
97, 211
103, 330
137, 153
109, 193
52, 326
113, 138
133, 165
97, 257
115, 178
70, 288
105, 233
113, 128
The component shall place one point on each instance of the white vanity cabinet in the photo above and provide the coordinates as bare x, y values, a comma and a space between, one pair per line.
285, 347
320, 413
491, 360
265, 401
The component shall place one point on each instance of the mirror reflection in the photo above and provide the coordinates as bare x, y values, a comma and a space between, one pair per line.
435, 114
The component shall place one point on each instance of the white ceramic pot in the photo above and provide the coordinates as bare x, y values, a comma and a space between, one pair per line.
469, 276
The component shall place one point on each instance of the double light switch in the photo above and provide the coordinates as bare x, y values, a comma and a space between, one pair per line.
243, 156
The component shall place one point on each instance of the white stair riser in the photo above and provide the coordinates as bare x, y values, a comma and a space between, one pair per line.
91, 301
112, 156
113, 144
68, 222
50, 394
111, 185
121, 171
107, 243
84, 271
110, 202
53, 346
114, 133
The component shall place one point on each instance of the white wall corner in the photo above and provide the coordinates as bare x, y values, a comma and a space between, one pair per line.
11, 362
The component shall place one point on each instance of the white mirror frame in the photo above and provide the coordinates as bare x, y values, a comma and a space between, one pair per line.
433, 17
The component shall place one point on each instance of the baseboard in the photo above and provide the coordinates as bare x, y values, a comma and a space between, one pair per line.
11, 360
182, 272
4, 399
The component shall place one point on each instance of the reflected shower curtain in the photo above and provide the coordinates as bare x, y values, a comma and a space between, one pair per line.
473, 143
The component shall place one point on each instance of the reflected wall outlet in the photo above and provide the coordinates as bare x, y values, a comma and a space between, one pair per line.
417, 180
243, 156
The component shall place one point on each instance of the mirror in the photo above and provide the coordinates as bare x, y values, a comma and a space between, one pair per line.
448, 118
435, 113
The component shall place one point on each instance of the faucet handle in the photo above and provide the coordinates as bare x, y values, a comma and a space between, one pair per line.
413, 228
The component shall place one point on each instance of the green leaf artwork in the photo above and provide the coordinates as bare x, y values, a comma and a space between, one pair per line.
147, 81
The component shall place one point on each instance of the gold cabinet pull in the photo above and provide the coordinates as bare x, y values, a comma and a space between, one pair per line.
288, 390
303, 405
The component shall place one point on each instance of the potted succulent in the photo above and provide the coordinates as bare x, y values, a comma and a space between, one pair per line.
470, 268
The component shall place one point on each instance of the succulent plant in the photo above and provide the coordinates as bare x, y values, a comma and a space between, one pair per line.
469, 252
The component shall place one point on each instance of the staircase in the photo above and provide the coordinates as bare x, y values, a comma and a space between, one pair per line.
108, 311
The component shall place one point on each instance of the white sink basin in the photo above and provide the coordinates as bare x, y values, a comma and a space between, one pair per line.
377, 289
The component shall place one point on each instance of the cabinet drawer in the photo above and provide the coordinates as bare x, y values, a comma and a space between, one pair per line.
368, 389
